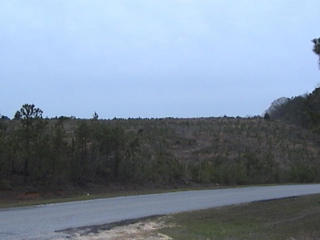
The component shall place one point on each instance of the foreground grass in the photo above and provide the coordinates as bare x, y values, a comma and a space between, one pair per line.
294, 218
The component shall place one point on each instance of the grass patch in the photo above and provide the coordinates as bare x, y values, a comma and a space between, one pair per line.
294, 218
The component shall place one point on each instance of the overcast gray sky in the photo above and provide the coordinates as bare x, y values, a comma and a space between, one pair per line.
155, 58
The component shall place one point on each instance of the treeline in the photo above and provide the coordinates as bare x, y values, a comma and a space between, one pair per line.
63, 151
34, 150
303, 111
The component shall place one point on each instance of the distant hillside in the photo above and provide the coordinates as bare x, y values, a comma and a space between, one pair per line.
156, 152
234, 150
303, 110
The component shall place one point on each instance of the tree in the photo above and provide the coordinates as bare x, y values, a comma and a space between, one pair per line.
316, 47
58, 149
266, 116
4, 169
17, 115
30, 118
81, 156
3, 117
29, 112
95, 116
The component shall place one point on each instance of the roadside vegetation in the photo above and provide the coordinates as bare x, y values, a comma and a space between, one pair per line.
286, 219
39, 153
20, 199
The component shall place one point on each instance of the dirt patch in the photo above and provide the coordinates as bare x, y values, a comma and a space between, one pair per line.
137, 230
29, 196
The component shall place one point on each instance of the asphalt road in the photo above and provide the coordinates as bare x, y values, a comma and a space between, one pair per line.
41, 222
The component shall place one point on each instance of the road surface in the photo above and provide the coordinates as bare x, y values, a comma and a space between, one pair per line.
41, 222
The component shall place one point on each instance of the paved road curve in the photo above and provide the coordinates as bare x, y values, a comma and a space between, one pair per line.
41, 222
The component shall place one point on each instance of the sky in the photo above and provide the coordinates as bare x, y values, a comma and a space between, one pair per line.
155, 58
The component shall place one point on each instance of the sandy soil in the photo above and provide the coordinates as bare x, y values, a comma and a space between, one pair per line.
144, 229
